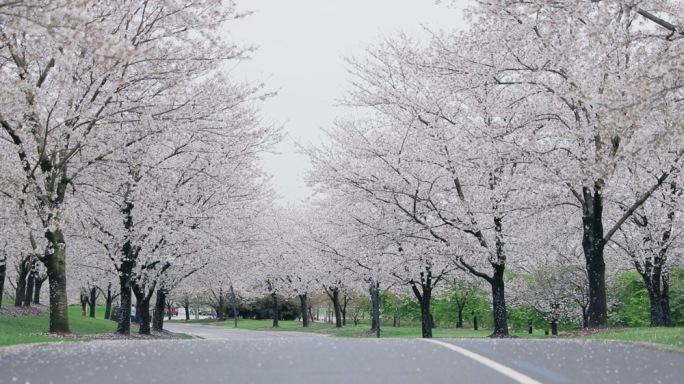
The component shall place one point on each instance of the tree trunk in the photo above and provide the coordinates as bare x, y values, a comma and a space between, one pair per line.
20, 291
109, 299
499, 302
665, 299
395, 320
84, 303
55, 263
345, 301
187, 311
424, 299
427, 322
460, 304
130, 255
169, 309
334, 295
92, 301
554, 327
220, 314
142, 304
374, 321
276, 314
303, 310
459, 322
3, 268
160, 304
38, 285
233, 303
593, 245
655, 298
375, 300
124, 327
30, 284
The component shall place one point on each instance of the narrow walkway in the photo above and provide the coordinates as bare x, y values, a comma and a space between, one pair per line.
217, 332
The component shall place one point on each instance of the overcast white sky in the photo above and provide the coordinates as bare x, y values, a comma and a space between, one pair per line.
302, 44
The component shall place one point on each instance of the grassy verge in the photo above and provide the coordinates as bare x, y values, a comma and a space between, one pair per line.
361, 330
27, 329
671, 339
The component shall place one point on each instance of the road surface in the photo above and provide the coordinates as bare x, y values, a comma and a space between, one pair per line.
239, 356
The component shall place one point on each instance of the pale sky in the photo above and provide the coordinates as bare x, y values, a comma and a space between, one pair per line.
302, 46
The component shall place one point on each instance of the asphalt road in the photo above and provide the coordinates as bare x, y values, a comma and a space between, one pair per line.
238, 356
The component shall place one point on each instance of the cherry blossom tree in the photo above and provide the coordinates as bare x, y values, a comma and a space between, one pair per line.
79, 105
649, 238
593, 87
431, 151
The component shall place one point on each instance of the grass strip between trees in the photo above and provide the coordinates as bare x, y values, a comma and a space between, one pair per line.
672, 337
30, 329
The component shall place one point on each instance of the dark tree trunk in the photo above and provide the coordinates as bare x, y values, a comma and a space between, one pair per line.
651, 274
220, 314
233, 303
186, 306
169, 309
137, 310
142, 303
20, 292
124, 326
3, 268
144, 316
554, 327
84, 303
593, 245
38, 285
130, 255
108, 307
334, 295
424, 299
460, 304
374, 321
345, 301
109, 299
303, 306
55, 263
499, 302
427, 321
395, 320
276, 314
655, 299
159, 305
337, 308
665, 299
30, 284
375, 300
92, 301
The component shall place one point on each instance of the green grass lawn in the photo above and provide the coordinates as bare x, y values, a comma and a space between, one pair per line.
27, 329
671, 336
663, 336
361, 330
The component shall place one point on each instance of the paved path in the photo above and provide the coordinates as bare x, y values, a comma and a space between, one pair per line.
229, 355
217, 333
